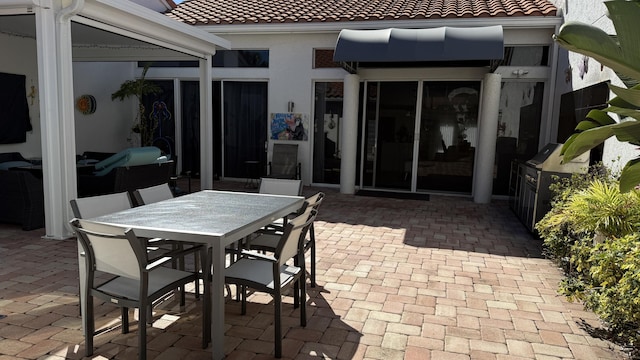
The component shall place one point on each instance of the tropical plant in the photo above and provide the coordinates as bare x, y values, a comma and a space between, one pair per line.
556, 227
621, 53
139, 88
593, 233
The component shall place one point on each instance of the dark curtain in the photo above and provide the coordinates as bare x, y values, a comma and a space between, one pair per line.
245, 126
191, 127
14, 117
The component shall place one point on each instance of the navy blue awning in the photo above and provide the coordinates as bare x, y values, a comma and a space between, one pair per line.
412, 45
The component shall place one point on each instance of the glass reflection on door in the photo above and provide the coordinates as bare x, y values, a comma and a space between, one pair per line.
390, 126
327, 119
448, 135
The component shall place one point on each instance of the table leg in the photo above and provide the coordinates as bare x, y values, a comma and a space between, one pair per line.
217, 307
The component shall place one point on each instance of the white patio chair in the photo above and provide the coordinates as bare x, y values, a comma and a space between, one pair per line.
272, 274
280, 186
158, 193
152, 194
267, 240
93, 206
288, 187
136, 282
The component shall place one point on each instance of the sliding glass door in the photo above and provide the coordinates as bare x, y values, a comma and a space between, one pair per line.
420, 135
389, 134
240, 113
448, 135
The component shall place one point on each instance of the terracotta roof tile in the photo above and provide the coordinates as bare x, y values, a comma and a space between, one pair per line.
211, 12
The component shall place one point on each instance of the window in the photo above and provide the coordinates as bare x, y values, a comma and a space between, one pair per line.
526, 56
222, 58
169, 64
241, 58
324, 59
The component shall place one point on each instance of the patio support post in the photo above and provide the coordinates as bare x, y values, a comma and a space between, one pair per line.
487, 137
48, 98
206, 125
55, 73
349, 134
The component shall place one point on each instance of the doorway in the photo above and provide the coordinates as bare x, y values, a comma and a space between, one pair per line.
239, 122
420, 136
245, 127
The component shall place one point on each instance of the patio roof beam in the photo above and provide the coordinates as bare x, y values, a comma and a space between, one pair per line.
137, 36
157, 28
19, 7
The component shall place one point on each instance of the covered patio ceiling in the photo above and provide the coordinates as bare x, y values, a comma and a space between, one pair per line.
65, 31
95, 37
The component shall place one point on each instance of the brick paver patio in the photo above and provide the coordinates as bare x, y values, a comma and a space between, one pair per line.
397, 279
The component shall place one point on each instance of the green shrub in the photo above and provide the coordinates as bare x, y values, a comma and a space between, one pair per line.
556, 226
593, 232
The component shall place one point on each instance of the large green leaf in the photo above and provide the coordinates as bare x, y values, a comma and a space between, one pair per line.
624, 15
625, 112
601, 117
586, 125
628, 131
595, 118
630, 96
619, 53
588, 139
630, 175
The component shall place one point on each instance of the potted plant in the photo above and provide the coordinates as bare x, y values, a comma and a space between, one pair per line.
140, 87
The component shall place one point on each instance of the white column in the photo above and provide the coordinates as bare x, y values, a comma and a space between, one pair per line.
55, 80
206, 125
487, 137
349, 134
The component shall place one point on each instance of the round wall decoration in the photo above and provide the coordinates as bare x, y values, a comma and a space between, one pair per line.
86, 104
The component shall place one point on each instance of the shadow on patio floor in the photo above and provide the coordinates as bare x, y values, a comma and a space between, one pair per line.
397, 279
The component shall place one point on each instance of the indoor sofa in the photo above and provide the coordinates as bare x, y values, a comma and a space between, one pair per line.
21, 193
127, 170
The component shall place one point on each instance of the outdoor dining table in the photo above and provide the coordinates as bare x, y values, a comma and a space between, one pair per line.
214, 218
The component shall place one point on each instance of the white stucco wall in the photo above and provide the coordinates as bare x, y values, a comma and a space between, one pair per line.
18, 56
108, 129
290, 76
105, 130
593, 12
